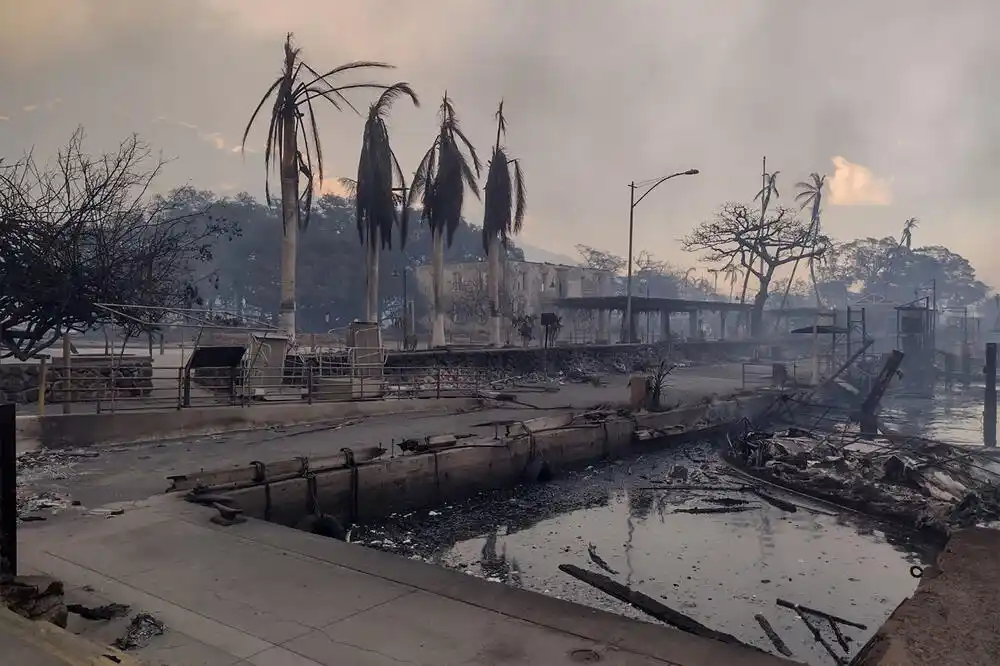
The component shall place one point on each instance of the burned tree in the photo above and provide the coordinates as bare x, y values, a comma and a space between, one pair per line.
83, 231
736, 237
600, 260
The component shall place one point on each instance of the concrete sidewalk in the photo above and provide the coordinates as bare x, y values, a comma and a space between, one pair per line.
261, 594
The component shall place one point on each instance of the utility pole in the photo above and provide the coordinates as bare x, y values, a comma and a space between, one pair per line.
627, 324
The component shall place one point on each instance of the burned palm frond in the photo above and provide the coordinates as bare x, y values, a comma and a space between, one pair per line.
505, 200
292, 120
449, 167
380, 177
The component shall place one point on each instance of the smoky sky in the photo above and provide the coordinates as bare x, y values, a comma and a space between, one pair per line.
597, 94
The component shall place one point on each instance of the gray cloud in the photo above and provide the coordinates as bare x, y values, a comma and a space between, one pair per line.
598, 94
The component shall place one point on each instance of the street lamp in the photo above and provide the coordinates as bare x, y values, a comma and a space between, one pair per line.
627, 332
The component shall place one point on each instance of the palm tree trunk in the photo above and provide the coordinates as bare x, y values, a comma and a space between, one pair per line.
812, 275
437, 264
290, 225
788, 287
493, 287
373, 245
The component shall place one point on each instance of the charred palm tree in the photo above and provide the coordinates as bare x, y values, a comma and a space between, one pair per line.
810, 194
439, 185
293, 147
378, 204
769, 189
906, 237
904, 244
504, 194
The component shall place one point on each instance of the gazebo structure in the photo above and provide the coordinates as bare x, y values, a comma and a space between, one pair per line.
662, 308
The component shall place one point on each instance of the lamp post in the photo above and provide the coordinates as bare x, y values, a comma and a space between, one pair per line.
627, 333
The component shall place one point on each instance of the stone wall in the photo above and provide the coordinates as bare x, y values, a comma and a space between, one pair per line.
93, 378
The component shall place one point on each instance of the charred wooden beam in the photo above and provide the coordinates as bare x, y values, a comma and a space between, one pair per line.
648, 605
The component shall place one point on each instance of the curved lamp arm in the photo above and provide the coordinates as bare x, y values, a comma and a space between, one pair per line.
689, 172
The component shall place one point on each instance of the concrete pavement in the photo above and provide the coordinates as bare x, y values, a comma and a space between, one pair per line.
259, 594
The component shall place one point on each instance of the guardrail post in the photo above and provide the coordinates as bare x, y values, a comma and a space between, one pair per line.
180, 383
43, 379
439, 382
186, 381
232, 385
8, 490
113, 384
309, 382
67, 350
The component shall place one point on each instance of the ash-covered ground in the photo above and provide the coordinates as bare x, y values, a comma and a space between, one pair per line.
677, 527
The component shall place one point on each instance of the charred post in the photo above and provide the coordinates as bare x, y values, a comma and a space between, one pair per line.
869, 407
990, 406
8, 491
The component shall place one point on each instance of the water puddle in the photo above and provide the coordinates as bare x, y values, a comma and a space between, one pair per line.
719, 568
952, 415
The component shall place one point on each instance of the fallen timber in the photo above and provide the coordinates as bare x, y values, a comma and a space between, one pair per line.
648, 605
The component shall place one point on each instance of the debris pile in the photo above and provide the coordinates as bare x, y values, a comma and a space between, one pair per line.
36, 598
918, 483
34, 470
142, 629
578, 366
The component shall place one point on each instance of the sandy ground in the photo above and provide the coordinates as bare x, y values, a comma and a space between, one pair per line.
952, 620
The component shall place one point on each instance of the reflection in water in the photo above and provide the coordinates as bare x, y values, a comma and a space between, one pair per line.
953, 415
719, 568
497, 566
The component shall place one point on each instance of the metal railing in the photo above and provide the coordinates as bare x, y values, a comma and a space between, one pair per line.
137, 386
754, 374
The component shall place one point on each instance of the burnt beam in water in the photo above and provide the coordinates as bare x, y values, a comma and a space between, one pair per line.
648, 605
869, 424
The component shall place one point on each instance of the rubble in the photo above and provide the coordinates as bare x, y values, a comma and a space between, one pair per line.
102, 613
919, 483
142, 629
578, 366
44, 465
35, 598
